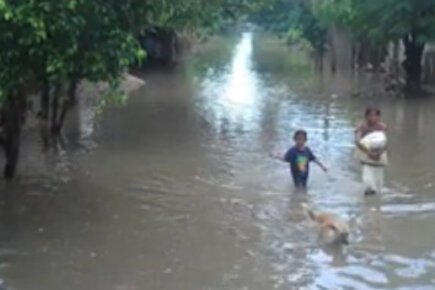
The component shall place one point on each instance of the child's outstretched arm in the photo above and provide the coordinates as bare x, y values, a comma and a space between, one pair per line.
314, 159
321, 165
277, 157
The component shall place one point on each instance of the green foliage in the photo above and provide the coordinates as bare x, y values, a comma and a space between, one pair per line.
293, 36
293, 18
200, 16
111, 96
60, 41
20, 29
334, 12
381, 21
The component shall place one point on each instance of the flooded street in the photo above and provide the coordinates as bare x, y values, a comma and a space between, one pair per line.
180, 192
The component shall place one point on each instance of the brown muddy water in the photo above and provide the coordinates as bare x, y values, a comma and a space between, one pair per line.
179, 192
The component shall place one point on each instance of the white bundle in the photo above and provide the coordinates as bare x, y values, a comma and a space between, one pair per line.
375, 140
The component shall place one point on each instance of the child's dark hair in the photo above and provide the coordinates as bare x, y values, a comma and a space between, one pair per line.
371, 110
300, 133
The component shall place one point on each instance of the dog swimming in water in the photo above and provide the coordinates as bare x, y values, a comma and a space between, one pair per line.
331, 229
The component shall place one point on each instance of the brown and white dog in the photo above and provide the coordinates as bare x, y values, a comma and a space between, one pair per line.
331, 229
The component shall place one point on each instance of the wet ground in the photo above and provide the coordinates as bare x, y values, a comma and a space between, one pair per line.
179, 192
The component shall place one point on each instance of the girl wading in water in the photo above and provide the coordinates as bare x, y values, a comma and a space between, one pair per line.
373, 160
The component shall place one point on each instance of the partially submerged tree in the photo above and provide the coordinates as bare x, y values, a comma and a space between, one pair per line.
56, 44
20, 28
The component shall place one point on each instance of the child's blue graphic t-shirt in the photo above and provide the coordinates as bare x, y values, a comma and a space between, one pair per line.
299, 160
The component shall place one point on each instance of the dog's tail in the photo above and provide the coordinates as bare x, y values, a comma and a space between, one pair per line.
309, 211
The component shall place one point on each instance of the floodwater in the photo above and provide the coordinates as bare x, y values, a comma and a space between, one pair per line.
179, 192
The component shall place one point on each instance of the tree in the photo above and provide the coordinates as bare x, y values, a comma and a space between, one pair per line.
20, 29
56, 44
103, 46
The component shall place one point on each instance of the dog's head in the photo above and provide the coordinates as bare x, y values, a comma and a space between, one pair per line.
344, 238
342, 232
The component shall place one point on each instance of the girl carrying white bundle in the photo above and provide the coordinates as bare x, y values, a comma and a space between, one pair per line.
371, 142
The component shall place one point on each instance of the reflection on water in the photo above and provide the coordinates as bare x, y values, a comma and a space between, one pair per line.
180, 193
241, 84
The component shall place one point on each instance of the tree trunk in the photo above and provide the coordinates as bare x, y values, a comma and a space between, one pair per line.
167, 39
333, 55
67, 105
45, 114
45, 100
318, 61
412, 64
396, 66
55, 107
12, 122
370, 55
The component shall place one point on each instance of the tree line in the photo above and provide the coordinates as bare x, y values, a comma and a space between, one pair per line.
372, 25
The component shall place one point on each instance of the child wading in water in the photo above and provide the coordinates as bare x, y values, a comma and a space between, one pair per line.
299, 156
373, 162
